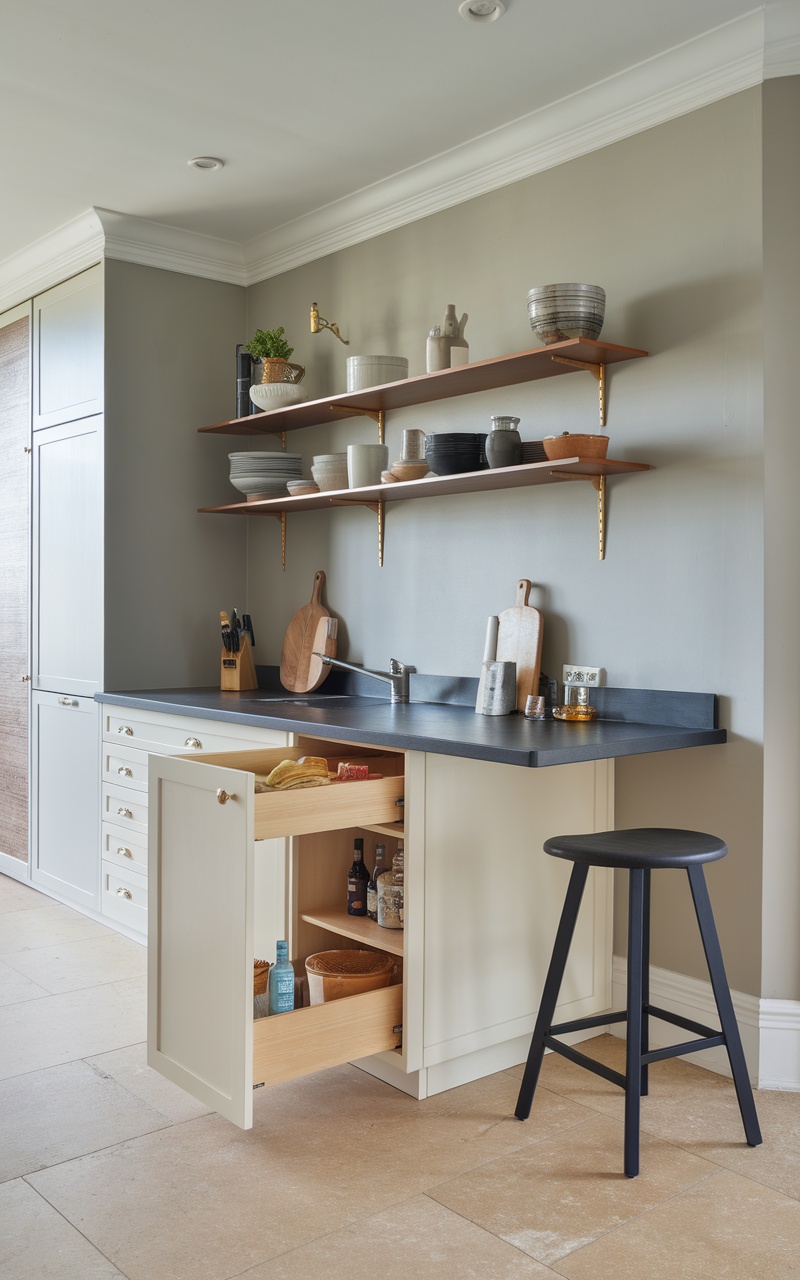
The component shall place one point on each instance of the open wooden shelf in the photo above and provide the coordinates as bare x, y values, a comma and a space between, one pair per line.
528, 473
357, 928
482, 375
395, 830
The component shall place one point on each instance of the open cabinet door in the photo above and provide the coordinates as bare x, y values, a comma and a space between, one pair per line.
200, 933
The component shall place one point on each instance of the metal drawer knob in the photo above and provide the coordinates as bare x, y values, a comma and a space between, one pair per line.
125, 771
224, 796
194, 743
126, 853
124, 893
125, 728
123, 812
68, 702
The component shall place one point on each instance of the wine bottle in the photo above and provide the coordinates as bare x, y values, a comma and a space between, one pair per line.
281, 981
390, 893
357, 881
372, 887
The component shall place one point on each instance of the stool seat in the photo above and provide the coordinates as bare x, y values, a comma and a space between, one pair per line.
640, 851
650, 847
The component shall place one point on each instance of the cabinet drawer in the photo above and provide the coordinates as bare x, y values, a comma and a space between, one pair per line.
124, 767
300, 812
126, 849
124, 897
171, 734
295, 1044
125, 809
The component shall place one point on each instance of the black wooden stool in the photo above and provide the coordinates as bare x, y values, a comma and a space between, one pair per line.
638, 851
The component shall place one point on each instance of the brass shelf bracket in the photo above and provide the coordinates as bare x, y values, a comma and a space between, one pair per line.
377, 415
378, 507
599, 484
597, 371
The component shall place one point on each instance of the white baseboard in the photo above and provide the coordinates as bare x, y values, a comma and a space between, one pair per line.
770, 1029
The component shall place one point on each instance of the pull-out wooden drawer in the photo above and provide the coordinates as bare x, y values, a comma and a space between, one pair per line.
325, 1035
326, 808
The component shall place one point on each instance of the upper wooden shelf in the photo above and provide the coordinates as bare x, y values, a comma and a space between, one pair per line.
482, 375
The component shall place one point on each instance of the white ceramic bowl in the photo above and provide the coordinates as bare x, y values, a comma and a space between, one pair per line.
276, 395
364, 372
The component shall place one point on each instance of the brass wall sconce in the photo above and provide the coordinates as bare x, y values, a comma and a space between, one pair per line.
318, 324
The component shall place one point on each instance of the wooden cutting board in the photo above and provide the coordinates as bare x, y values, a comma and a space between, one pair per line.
519, 639
312, 628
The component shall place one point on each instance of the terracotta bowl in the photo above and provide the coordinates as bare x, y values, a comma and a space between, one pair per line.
575, 446
409, 470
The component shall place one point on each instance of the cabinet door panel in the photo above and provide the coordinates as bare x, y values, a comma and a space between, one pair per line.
494, 898
68, 558
68, 350
200, 934
66, 831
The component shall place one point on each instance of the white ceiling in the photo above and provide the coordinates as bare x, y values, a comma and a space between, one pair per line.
102, 103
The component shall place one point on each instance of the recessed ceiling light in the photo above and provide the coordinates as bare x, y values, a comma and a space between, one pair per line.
481, 10
206, 162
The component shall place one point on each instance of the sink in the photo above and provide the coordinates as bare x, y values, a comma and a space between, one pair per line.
299, 699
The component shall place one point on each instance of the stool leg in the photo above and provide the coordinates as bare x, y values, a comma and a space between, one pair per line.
633, 1050
645, 1041
722, 995
552, 986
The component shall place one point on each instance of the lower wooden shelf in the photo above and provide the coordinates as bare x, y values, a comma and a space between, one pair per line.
358, 928
376, 496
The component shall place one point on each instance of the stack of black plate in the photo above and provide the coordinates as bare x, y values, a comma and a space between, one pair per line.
449, 452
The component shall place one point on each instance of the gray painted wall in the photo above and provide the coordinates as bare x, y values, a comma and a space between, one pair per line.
670, 223
170, 368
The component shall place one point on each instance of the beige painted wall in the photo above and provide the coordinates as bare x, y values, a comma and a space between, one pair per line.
170, 368
670, 223
781, 880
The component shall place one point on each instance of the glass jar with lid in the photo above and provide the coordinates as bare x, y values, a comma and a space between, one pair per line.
503, 444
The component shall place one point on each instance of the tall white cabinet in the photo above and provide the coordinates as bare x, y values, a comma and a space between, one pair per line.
67, 595
127, 580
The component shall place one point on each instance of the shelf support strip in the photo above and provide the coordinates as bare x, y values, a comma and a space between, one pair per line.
377, 415
597, 371
599, 484
280, 515
378, 507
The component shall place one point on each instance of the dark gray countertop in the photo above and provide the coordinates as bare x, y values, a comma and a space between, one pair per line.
635, 721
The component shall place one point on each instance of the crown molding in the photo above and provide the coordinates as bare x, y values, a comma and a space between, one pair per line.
63, 253
727, 60
154, 244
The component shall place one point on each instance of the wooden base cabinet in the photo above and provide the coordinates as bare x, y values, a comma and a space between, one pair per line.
481, 907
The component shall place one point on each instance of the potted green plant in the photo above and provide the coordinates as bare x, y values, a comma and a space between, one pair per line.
271, 348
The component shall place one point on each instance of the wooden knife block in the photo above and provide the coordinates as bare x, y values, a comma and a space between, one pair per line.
236, 670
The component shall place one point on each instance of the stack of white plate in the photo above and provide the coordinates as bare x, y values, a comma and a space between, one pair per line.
264, 473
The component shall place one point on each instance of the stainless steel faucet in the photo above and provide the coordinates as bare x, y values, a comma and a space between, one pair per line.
396, 676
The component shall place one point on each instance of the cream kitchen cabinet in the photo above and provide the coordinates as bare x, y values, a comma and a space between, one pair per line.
128, 736
65, 739
481, 908
68, 350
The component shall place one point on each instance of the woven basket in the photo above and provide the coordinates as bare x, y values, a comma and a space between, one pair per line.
260, 977
334, 974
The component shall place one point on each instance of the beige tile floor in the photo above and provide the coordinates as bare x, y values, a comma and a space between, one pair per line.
107, 1170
